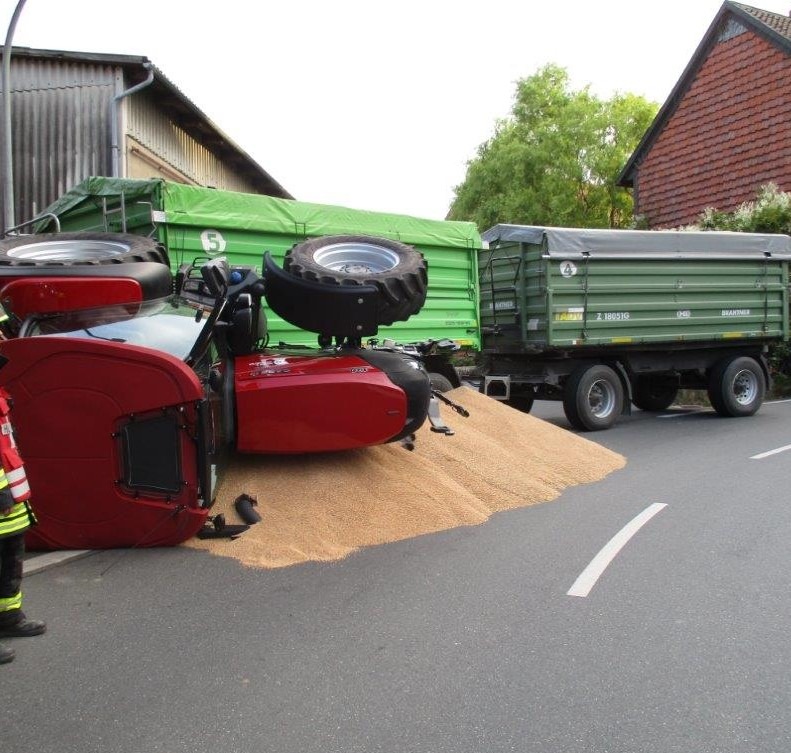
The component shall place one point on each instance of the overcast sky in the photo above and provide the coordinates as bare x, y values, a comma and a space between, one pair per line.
376, 105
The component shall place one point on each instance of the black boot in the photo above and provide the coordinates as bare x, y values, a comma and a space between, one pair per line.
6, 655
21, 627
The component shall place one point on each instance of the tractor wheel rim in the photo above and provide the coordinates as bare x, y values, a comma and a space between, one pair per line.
73, 251
356, 258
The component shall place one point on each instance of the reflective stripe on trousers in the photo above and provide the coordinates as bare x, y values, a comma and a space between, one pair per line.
12, 602
16, 521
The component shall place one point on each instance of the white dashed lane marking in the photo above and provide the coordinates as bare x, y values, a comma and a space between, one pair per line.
776, 451
587, 579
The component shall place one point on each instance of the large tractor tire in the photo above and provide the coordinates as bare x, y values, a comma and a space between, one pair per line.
397, 271
737, 386
79, 249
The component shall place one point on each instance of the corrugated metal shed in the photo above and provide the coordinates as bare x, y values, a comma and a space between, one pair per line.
62, 129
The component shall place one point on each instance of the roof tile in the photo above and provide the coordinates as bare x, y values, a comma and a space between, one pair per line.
775, 21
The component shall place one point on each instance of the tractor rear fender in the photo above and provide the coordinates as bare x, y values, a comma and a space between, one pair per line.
330, 310
37, 290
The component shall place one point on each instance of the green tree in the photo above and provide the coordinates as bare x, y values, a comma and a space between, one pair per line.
555, 159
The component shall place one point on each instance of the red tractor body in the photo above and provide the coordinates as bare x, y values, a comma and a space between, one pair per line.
80, 412
292, 403
126, 400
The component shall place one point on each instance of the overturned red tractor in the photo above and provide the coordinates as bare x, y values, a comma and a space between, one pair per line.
130, 384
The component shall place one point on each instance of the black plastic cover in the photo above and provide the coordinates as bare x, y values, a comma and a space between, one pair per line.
407, 373
334, 310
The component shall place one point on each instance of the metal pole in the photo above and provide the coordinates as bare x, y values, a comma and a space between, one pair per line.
8, 176
115, 147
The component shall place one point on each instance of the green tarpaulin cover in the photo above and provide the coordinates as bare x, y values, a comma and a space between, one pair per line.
192, 205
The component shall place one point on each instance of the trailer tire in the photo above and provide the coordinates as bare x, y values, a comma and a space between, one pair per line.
650, 395
737, 386
79, 249
397, 271
593, 397
439, 382
522, 403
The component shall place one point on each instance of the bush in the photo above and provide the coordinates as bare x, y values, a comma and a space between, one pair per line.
769, 213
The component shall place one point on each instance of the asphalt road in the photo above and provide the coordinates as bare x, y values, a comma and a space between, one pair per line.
466, 640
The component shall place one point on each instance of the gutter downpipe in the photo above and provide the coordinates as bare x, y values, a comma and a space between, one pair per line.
8, 146
114, 114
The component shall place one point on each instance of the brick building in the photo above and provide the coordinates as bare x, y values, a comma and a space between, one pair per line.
725, 130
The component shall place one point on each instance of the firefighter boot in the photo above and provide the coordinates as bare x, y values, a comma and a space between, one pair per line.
21, 627
6, 654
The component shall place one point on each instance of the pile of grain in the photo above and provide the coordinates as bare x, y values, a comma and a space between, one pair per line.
323, 507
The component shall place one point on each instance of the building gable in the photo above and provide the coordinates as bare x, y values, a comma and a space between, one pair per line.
723, 131
76, 115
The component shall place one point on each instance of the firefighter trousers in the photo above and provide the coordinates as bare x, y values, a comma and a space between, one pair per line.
12, 550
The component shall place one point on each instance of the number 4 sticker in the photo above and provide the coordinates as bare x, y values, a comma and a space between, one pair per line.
568, 268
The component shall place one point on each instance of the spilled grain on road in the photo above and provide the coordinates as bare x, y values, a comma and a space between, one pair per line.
323, 507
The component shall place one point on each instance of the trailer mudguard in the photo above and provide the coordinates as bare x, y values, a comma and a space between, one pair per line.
108, 434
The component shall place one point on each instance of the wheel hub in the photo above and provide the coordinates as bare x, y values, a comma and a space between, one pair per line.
601, 399
745, 387
69, 251
356, 258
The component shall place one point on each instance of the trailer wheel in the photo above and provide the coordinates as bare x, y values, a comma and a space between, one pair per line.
737, 386
79, 249
522, 403
648, 394
397, 271
439, 382
593, 397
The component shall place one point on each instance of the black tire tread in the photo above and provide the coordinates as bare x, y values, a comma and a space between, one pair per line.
716, 388
521, 403
439, 382
650, 398
141, 249
577, 417
402, 290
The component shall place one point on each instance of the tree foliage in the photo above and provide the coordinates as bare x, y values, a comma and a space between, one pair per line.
556, 159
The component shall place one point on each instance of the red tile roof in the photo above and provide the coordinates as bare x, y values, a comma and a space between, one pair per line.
774, 27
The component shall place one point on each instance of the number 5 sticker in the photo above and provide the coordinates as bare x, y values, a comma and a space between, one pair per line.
212, 241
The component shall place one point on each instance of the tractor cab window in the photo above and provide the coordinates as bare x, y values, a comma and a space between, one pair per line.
164, 324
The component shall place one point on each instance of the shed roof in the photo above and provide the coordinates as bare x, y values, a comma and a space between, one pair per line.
774, 27
183, 111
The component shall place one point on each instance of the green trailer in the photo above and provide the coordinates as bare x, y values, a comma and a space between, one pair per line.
193, 221
605, 319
